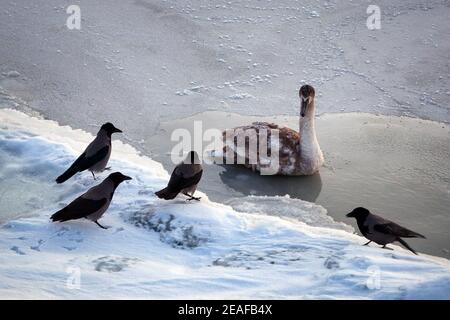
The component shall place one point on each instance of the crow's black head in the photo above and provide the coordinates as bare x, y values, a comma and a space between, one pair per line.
118, 177
109, 128
359, 213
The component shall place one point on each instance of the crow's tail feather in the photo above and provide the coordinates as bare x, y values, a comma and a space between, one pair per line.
58, 216
166, 194
66, 175
406, 245
417, 235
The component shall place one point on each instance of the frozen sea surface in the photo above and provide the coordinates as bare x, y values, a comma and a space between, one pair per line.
167, 59
176, 249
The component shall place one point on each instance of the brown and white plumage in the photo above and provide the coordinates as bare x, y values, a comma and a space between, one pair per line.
298, 152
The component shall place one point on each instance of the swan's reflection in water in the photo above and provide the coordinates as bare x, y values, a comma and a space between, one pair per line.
247, 183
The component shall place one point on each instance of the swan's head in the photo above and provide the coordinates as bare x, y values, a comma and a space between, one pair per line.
306, 94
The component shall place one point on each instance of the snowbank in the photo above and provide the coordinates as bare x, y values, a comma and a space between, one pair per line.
176, 249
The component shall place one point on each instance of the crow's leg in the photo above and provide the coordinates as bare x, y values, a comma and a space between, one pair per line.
100, 225
384, 247
191, 197
365, 244
93, 175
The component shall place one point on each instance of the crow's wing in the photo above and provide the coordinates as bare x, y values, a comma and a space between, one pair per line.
178, 182
83, 162
396, 230
79, 208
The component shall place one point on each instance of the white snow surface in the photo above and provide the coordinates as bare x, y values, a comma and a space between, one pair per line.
176, 249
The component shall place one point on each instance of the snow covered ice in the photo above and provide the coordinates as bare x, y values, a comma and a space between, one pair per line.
153, 62
159, 249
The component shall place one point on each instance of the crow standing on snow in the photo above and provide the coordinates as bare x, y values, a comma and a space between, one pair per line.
92, 204
184, 179
380, 230
95, 157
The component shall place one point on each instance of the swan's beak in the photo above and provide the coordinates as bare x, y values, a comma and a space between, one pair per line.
304, 106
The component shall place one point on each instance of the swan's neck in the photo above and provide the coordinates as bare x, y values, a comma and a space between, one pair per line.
308, 128
310, 153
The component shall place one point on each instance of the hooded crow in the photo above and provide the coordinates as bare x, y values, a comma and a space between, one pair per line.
92, 204
185, 178
380, 230
95, 157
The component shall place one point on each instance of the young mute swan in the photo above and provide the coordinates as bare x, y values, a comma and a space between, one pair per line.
299, 153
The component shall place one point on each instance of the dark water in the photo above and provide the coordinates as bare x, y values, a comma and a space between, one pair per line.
396, 167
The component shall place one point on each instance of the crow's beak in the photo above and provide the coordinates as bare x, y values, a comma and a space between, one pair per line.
349, 215
117, 130
126, 178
